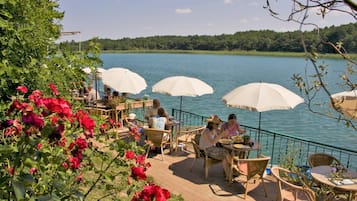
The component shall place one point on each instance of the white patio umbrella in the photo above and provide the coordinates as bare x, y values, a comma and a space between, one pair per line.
123, 80
345, 94
260, 97
347, 101
182, 86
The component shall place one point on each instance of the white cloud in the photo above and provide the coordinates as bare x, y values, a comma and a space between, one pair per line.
227, 1
256, 19
243, 21
183, 10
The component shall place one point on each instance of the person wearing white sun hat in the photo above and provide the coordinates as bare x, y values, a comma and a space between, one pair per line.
210, 136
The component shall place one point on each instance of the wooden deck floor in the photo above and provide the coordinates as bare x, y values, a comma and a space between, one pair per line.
173, 174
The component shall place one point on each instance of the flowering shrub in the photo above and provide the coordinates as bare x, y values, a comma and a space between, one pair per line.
45, 149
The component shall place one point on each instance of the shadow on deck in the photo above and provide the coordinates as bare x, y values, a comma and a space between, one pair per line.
174, 174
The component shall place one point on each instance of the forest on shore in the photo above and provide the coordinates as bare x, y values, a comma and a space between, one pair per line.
262, 41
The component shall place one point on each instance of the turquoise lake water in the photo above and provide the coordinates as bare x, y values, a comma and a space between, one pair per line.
226, 72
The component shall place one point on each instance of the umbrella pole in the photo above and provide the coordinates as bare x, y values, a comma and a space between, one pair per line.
260, 117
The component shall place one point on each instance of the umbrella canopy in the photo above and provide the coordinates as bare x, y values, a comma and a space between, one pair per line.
182, 86
260, 97
345, 94
124, 80
347, 102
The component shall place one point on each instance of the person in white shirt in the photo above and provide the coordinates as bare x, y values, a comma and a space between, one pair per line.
161, 121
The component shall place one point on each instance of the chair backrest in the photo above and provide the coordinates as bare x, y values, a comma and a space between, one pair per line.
282, 175
196, 148
253, 166
156, 136
318, 159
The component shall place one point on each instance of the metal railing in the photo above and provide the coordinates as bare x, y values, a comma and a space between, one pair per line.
281, 147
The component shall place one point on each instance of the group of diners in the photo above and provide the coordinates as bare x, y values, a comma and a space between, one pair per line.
215, 130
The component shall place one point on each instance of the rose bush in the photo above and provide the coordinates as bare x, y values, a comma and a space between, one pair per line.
47, 153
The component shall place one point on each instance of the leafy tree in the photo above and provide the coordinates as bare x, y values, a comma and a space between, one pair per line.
28, 53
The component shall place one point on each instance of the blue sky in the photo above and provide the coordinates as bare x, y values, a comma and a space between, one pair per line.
116, 19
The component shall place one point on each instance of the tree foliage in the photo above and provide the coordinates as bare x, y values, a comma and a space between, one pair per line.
28, 53
264, 40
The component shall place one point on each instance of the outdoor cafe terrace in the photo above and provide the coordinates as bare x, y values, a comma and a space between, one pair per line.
175, 173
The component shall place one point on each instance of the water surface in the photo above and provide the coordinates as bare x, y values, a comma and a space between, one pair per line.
226, 72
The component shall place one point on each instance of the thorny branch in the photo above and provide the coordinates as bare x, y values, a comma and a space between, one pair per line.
300, 14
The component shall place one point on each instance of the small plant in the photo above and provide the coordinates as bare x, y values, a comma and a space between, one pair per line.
246, 139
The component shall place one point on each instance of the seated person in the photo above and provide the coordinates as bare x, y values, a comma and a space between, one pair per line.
115, 99
108, 94
210, 136
131, 122
92, 96
152, 111
133, 125
232, 126
161, 121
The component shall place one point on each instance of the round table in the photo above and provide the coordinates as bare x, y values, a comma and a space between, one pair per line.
323, 175
241, 150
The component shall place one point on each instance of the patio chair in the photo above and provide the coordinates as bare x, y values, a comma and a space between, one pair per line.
187, 134
199, 153
155, 137
249, 169
318, 159
285, 185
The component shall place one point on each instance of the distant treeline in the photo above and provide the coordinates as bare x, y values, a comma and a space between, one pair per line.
264, 40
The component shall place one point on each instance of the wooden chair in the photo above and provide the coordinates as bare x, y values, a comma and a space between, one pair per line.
199, 153
318, 159
155, 137
284, 184
102, 113
247, 168
187, 134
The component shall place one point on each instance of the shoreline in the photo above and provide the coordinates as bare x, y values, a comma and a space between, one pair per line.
234, 52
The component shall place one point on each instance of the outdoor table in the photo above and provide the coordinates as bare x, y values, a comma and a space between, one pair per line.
348, 183
239, 149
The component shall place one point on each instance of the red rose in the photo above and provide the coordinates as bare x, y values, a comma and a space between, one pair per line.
161, 194
54, 89
10, 170
81, 143
39, 146
33, 119
74, 162
33, 170
22, 89
140, 159
129, 155
138, 173
65, 165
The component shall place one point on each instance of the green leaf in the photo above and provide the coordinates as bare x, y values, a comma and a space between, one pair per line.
19, 189
30, 163
45, 198
7, 149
